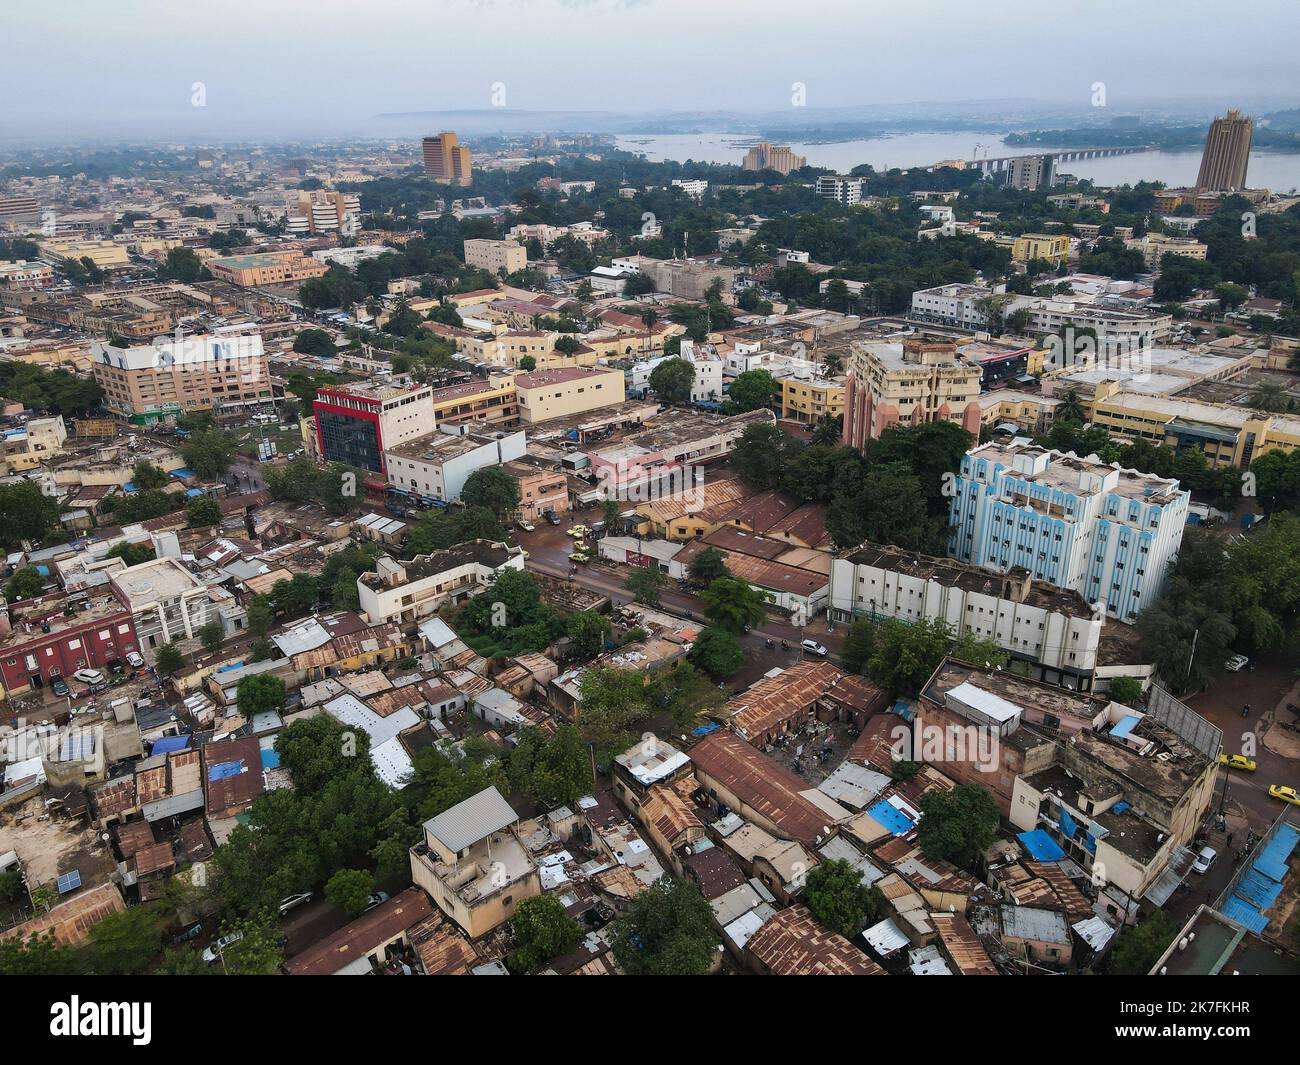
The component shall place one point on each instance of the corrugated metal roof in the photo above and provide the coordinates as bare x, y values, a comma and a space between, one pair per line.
472, 820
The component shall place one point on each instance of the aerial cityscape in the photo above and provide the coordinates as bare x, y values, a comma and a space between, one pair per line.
464, 521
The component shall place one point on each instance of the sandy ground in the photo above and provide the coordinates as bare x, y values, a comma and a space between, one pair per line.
48, 848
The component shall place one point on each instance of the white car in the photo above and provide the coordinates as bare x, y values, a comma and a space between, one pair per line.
1236, 663
88, 676
814, 648
294, 901
214, 952
135, 659
1204, 860
374, 900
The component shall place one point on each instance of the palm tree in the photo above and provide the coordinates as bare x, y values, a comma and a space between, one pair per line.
648, 318
1071, 409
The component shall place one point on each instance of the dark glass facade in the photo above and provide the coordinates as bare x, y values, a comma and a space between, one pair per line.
350, 440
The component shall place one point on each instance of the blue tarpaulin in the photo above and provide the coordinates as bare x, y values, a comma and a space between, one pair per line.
1041, 846
169, 743
270, 758
225, 770
1124, 726
1245, 915
1273, 862
704, 730
1067, 823
1258, 890
182, 473
892, 818
1120, 807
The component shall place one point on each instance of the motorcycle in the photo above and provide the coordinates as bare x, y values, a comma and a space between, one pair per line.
769, 644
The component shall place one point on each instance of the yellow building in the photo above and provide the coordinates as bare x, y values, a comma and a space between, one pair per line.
493, 402
1053, 247
103, 253
1155, 246
809, 401
1229, 435
547, 394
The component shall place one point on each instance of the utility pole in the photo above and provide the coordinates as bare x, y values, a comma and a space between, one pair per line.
1195, 637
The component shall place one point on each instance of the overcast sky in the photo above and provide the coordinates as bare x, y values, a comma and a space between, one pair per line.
75, 68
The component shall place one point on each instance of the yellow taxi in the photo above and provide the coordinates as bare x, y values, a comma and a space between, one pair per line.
1238, 761
1281, 791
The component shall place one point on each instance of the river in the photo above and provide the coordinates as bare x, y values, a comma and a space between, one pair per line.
1279, 171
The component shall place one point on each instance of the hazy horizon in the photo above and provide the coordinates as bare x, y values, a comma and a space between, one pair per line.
275, 69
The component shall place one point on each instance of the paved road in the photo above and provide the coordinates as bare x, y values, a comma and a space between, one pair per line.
549, 548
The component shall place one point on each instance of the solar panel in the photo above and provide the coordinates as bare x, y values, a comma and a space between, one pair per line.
69, 881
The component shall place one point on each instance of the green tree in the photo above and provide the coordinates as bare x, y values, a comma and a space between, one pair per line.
588, 630
761, 456
202, 511
345, 595
645, 584
752, 389
666, 931
838, 898
26, 583
350, 889
167, 659
542, 930
610, 512
1126, 690
672, 380
958, 826
208, 454
717, 652
684, 693
259, 693
40, 955
528, 364
257, 952
733, 604
26, 513
314, 342
492, 488
261, 615
551, 769
212, 636
708, 566
147, 476
1138, 947
123, 943
180, 961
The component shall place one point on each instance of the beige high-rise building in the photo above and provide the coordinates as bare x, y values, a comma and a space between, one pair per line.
446, 160
147, 383
778, 157
910, 383
1226, 155
495, 255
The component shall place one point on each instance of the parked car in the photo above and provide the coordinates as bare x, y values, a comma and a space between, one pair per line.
213, 952
554, 519
192, 932
135, 660
1236, 663
58, 685
1204, 860
375, 899
527, 526
1238, 761
814, 648
292, 902
88, 676
1286, 794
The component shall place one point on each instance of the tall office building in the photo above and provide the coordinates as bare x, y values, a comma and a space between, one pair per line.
1076, 523
1029, 172
778, 157
446, 161
1227, 152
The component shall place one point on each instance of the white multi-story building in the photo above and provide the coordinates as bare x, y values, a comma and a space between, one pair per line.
707, 386
694, 188
404, 593
952, 305
1107, 533
167, 602
841, 189
1053, 632
436, 466
1119, 332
